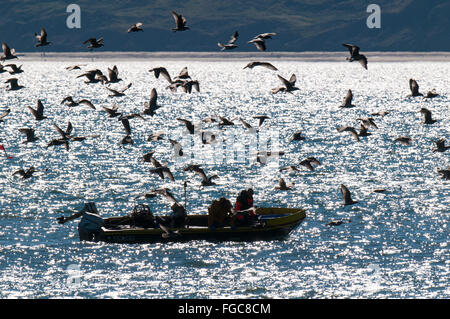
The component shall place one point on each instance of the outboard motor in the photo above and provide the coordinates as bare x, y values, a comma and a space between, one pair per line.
91, 223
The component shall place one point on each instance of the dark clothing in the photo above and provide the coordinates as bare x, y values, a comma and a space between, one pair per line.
244, 201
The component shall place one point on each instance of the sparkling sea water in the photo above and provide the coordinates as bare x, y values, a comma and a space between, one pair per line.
396, 245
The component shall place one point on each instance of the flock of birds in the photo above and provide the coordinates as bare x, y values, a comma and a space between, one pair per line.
184, 81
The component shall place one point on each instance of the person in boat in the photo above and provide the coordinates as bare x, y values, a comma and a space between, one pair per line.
219, 213
177, 219
244, 209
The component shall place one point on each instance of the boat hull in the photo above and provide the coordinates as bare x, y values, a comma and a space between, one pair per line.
277, 224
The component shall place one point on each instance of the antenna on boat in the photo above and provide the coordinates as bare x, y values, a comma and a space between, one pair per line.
185, 186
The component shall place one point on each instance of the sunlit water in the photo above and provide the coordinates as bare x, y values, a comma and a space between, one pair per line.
396, 245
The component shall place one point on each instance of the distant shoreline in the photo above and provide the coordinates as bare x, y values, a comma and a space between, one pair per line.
224, 56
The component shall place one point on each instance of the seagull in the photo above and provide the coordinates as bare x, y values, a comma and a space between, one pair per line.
13, 85
251, 65
288, 85
380, 113
290, 168
180, 22
25, 174
74, 67
29, 132
431, 94
414, 87
4, 114
163, 172
307, 162
347, 196
246, 125
112, 112
355, 55
188, 85
93, 76
42, 38
259, 43
176, 147
136, 27
14, 69
206, 181
282, 185
367, 122
115, 93
261, 119
94, 43
126, 125
8, 54
189, 126
65, 137
338, 222
163, 71
427, 114
224, 121
405, 140
71, 103
151, 106
440, 146
155, 137
297, 136
265, 36
39, 112
348, 100
113, 75
349, 129
230, 45
445, 173
183, 75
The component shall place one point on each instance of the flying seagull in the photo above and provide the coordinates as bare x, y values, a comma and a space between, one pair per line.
347, 196
289, 86
282, 185
307, 162
206, 181
118, 92
39, 112
251, 65
14, 68
13, 84
136, 27
8, 54
42, 38
25, 174
404, 140
259, 43
265, 36
161, 71
4, 114
113, 75
230, 45
440, 146
94, 43
348, 100
71, 103
427, 115
414, 87
180, 22
355, 55
152, 106
29, 132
